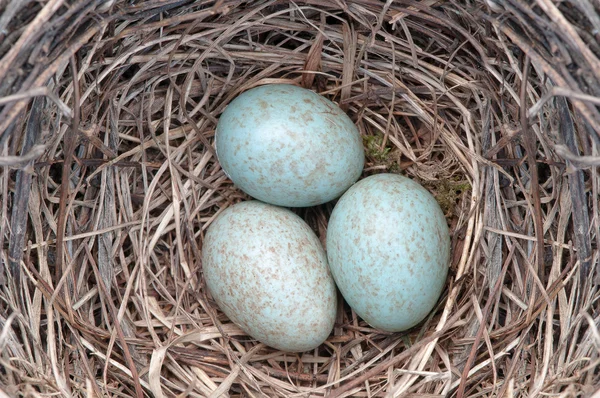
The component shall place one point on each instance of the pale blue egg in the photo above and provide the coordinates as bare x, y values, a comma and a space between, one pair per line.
267, 271
288, 146
388, 246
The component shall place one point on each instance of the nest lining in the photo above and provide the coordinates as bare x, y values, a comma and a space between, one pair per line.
101, 259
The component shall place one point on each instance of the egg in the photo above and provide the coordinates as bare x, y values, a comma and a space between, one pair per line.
267, 271
388, 247
288, 146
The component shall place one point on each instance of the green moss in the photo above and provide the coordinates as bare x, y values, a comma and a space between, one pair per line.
447, 192
382, 156
374, 150
394, 167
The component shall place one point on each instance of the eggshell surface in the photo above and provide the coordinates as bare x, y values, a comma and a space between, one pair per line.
288, 146
388, 247
268, 272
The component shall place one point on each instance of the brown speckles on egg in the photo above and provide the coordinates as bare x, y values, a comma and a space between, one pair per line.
262, 104
313, 147
307, 116
267, 271
389, 250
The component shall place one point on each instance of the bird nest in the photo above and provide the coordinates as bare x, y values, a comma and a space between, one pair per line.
109, 180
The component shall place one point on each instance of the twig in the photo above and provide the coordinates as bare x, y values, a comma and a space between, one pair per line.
26, 38
38, 91
22, 191
117, 325
313, 61
576, 162
69, 148
580, 213
529, 141
20, 162
483, 326
558, 92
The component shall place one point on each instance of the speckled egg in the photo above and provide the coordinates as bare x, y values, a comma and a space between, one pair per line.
388, 247
267, 271
288, 146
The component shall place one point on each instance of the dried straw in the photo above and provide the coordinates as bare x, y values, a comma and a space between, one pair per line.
108, 180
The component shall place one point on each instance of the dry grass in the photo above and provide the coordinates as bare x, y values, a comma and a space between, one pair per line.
108, 181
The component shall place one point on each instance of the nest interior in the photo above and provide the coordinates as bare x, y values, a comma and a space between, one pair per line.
109, 179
